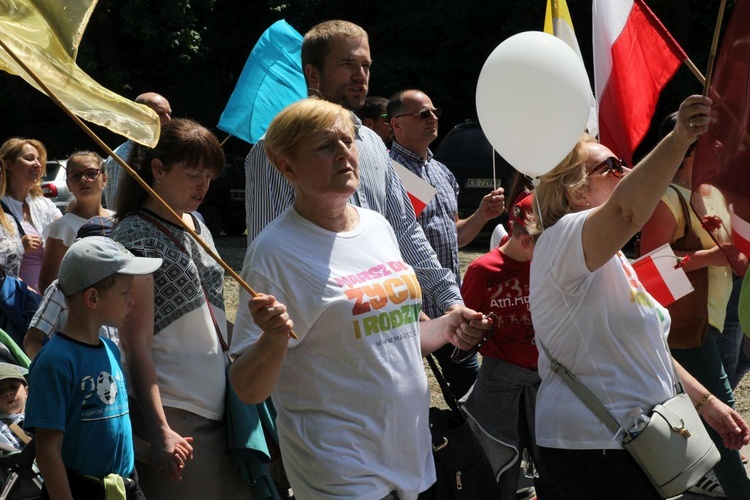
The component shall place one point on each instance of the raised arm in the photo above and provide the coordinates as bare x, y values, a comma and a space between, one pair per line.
491, 207
610, 225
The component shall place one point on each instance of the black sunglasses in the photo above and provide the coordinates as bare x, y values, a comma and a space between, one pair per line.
424, 114
91, 174
614, 165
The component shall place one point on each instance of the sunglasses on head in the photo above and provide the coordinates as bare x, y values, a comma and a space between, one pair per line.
91, 174
612, 164
423, 114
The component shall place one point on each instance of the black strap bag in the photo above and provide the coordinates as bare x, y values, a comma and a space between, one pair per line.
463, 470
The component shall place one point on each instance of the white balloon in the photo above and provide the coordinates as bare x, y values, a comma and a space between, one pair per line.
533, 101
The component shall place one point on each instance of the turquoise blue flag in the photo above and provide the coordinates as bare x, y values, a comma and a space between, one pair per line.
271, 80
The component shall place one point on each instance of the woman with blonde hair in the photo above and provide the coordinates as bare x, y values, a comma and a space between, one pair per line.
594, 316
11, 248
86, 179
24, 161
338, 271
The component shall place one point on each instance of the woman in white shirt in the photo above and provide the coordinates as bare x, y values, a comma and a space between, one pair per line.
86, 179
24, 161
592, 313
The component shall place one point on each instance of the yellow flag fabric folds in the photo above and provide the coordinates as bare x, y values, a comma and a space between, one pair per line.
45, 34
557, 22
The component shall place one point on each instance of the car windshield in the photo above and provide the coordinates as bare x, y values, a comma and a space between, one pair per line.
52, 168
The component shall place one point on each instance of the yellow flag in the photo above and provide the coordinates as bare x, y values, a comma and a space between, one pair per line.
45, 34
557, 22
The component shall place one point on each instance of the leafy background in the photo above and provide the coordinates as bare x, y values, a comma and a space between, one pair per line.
192, 52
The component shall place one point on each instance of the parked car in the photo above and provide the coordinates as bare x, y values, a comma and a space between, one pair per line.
223, 209
54, 186
467, 153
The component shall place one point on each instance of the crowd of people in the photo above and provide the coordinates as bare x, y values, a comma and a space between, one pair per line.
133, 357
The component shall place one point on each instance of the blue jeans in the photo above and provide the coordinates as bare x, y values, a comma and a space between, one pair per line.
704, 363
736, 362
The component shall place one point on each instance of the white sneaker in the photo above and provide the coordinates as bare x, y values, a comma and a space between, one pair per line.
708, 486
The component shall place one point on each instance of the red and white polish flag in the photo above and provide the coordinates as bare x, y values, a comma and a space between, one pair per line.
659, 275
740, 232
420, 191
634, 57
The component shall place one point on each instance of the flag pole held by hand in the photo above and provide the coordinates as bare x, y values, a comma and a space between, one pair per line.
131, 172
714, 46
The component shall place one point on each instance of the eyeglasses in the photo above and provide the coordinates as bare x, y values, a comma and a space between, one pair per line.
91, 174
612, 164
423, 114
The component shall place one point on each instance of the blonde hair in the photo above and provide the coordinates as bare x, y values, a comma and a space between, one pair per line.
4, 220
551, 195
11, 150
298, 122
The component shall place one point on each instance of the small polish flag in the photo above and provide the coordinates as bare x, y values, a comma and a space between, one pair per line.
420, 191
658, 273
740, 232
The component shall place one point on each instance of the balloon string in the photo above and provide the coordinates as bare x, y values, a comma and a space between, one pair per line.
494, 174
535, 181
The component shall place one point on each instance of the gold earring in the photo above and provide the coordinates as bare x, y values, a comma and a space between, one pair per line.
588, 204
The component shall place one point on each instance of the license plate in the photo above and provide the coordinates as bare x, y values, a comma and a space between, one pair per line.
237, 194
480, 183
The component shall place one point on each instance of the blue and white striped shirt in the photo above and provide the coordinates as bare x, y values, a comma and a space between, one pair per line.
438, 219
268, 194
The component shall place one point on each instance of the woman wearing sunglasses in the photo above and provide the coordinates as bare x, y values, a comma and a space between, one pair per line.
24, 162
704, 360
86, 179
594, 316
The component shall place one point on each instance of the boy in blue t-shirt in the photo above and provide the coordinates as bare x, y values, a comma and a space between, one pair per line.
78, 404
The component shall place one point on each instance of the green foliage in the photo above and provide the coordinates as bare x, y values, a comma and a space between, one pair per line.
193, 51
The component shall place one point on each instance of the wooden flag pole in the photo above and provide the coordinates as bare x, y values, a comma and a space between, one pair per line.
130, 172
714, 46
694, 69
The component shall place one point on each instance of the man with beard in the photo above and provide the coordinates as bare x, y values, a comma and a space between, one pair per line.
336, 63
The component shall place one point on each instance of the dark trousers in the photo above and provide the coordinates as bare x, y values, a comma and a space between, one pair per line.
597, 474
86, 488
460, 376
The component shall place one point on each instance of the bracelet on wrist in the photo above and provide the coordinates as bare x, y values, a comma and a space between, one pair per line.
702, 402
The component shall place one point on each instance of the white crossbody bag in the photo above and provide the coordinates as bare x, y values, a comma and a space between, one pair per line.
673, 447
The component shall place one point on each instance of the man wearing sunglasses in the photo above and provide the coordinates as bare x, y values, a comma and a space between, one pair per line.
414, 121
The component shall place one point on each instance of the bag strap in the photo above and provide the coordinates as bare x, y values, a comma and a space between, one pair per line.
8, 211
583, 393
685, 210
168, 234
444, 387
589, 399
